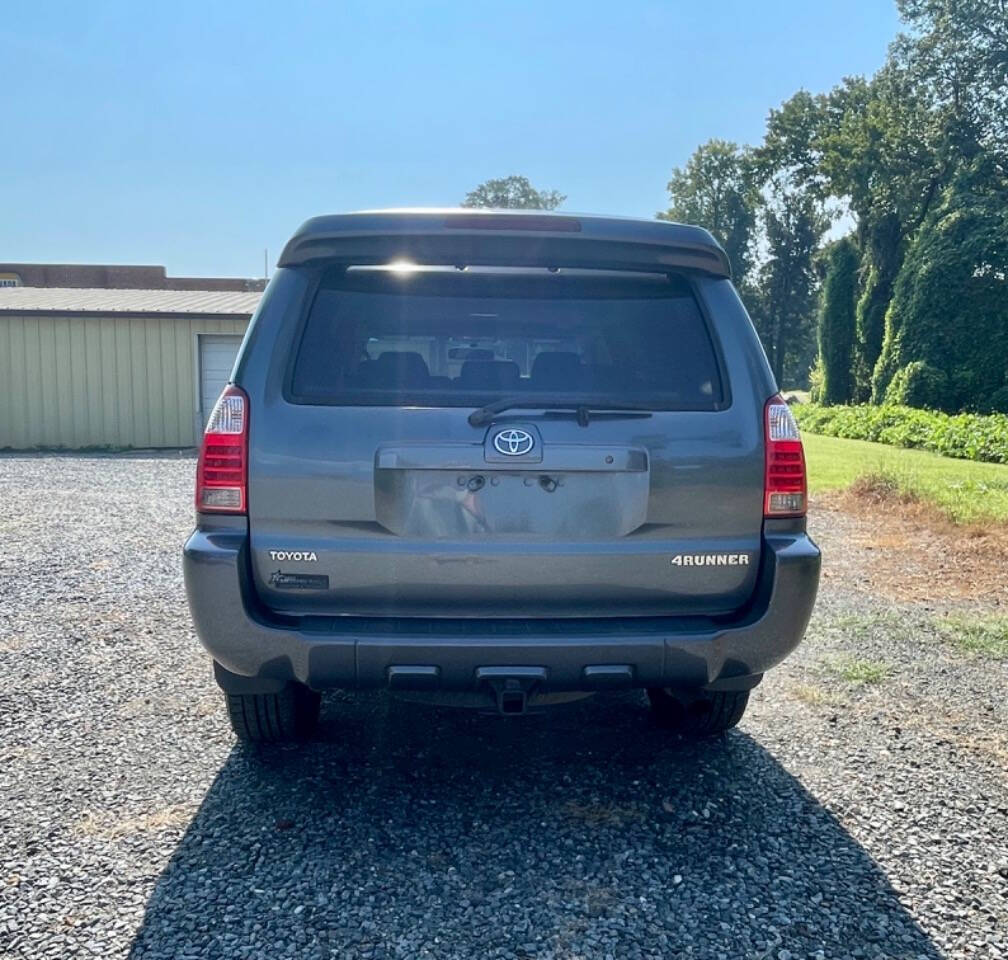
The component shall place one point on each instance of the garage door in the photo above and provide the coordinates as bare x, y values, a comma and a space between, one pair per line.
217, 357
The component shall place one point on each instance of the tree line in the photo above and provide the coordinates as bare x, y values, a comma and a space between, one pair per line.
910, 304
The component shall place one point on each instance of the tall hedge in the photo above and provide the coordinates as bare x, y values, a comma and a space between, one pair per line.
883, 257
836, 328
946, 337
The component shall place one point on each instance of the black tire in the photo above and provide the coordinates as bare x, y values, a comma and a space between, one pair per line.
284, 717
698, 713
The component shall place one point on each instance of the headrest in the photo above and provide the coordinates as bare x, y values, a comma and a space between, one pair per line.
490, 375
557, 368
397, 368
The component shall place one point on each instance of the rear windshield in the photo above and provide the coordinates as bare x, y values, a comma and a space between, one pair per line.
447, 337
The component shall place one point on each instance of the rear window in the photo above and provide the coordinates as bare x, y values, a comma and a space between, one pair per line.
448, 337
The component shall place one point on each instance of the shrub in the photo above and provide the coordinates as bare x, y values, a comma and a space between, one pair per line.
997, 402
967, 436
815, 382
918, 384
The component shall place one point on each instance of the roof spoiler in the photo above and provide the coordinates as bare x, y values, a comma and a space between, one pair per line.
499, 238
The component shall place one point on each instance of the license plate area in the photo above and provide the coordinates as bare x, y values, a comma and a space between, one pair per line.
539, 503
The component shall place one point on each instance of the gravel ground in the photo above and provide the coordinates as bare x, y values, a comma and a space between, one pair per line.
842, 819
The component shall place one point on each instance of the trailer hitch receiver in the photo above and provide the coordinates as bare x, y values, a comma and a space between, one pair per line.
511, 686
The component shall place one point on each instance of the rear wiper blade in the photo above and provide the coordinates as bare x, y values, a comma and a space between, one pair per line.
583, 411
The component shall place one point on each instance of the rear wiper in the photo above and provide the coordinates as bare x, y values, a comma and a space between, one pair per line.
582, 411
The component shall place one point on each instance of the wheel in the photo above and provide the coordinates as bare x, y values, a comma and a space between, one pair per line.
698, 713
289, 715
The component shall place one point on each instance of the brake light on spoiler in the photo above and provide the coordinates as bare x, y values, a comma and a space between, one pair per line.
222, 469
785, 488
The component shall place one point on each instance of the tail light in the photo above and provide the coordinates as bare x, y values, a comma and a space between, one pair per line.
222, 470
784, 482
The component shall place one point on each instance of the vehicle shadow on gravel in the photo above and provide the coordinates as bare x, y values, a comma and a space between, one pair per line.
410, 831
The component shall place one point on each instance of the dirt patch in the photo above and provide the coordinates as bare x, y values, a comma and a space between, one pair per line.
599, 815
901, 549
111, 824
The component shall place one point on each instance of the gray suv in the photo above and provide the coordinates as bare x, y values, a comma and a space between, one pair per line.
499, 459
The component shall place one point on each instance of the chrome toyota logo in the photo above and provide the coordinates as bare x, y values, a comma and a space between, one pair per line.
513, 443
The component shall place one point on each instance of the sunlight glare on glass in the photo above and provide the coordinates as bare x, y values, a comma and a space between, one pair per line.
402, 267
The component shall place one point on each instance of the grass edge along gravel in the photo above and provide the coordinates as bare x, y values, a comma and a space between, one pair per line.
859, 671
985, 636
965, 491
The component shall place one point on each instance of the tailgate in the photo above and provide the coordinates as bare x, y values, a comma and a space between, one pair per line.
371, 493
617, 526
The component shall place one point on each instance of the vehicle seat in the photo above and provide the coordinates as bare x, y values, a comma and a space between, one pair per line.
557, 370
394, 370
490, 375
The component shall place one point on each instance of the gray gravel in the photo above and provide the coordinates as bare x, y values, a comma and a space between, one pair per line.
840, 820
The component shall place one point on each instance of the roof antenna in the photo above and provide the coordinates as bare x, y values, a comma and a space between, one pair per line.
266, 262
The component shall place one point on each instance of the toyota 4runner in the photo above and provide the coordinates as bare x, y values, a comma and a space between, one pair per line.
499, 459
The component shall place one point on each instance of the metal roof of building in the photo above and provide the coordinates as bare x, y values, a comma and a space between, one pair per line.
168, 302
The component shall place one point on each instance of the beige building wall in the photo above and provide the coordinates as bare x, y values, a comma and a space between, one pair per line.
102, 381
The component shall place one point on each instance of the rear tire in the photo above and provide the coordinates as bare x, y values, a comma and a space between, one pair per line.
698, 713
284, 717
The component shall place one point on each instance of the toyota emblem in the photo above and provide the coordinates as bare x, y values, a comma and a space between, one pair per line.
513, 442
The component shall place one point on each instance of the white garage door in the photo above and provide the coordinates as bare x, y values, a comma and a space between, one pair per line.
217, 357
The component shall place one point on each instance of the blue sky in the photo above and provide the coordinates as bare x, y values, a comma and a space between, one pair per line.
194, 134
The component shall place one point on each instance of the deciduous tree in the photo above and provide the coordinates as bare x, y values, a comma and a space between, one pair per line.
513, 192
794, 224
716, 190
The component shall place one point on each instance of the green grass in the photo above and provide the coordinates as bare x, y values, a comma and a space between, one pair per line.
965, 490
863, 672
984, 635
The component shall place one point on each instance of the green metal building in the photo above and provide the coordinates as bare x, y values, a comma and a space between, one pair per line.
114, 368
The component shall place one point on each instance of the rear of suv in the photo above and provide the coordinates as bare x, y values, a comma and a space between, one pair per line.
499, 459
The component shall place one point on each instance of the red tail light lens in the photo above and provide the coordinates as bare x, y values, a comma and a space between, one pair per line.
784, 482
222, 470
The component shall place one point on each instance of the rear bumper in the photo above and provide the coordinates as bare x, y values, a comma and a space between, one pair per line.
257, 651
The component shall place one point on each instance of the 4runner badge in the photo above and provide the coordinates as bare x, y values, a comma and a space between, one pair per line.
710, 560
305, 556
